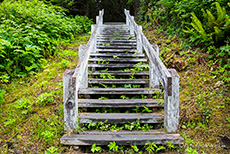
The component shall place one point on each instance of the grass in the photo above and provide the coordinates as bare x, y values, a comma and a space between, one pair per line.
37, 125
204, 96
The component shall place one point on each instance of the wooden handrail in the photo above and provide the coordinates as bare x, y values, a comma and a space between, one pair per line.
169, 78
78, 78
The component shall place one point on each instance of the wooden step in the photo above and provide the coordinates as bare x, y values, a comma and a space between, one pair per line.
111, 37
122, 138
121, 117
118, 91
119, 73
117, 54
118, 43
116, 47
114, 41
116, 50
119, 103
113, 65
118, 81
118, 59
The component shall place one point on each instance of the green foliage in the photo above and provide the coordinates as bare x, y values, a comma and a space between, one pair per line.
95, 148
31, 31
112, 146
213, 30
25, 105
51, 150
2, 93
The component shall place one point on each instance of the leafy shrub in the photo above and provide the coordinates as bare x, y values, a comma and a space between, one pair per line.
31, 31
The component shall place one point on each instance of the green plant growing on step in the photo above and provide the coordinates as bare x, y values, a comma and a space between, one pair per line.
136, 86
103, 62
127, 86
160, 102
113, 146
107, 76
143, 96
152, 147
123, 97
129, 37
105, 86
95, 148
102, 97
135, 55
135, 148
116, 33
170, 146
146, 109
111, 40
115, 57
126, 52
107, 44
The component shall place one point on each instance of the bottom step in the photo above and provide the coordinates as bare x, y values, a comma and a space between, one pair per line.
121, 138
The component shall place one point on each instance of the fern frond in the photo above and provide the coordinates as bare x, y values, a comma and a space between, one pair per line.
221, 13
211, 19
198, 26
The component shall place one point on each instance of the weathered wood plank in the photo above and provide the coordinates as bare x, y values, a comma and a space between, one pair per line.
118, 43
115, 47
120, 117
171, 104
119, 103
118, 81
118, 59
118, 91
135, 132
114, 65
117, 50
114, 41
69, 98
144, 73
161, 139
117, 54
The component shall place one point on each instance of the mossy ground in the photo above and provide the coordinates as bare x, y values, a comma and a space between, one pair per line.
38, 126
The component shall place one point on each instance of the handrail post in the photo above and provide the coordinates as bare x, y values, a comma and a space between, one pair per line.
84, 82
139, 40
171, 104
153, 79
70, 101
131, 27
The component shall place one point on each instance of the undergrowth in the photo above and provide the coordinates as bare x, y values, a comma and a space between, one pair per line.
32, 109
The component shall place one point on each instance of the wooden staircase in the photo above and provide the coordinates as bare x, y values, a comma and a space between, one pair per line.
117, 69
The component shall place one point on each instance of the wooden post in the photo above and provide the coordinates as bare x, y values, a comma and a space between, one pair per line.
153, 79
139, 40
84, 82
97, 19
131, 27
70, 101
127, 19
171, 103
95, 44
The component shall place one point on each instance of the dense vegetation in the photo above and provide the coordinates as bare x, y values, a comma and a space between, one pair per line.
31, 32
205, 24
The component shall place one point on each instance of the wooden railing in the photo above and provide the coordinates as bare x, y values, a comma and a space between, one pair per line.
78, 78
169, 78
